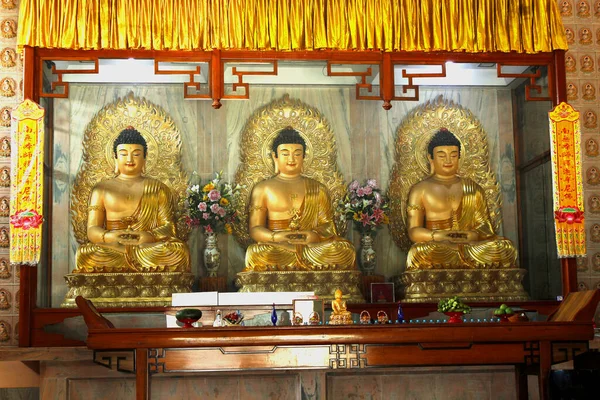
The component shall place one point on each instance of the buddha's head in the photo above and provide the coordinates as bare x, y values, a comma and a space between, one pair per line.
288, 152
130, 151
338, 294
443, 153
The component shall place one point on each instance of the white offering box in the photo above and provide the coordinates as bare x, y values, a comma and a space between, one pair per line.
209, 301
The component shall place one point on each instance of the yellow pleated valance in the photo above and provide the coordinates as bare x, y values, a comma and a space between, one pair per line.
524, 26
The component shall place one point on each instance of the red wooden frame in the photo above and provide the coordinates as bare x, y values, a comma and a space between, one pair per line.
32, 319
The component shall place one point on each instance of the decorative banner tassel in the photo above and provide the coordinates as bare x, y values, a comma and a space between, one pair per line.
565, 150
27, 183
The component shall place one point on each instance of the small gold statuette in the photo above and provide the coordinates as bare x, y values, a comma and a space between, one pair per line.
339, 315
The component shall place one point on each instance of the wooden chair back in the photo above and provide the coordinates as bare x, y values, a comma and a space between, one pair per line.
93, 319
578, 306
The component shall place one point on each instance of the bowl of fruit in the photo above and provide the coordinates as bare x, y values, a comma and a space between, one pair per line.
503, 313
233, 318
454, 308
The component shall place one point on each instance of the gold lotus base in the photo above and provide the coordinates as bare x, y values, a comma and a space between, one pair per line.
323, 283
341, 319
137, 289
423, 286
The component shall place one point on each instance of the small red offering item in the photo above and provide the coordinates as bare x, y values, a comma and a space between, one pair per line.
233, 318
455, 317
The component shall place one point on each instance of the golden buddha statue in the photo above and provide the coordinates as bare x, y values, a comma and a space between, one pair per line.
339, 314
130, 224
291, 217
448, 219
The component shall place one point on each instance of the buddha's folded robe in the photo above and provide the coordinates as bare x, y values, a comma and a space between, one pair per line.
491, 251
154, 214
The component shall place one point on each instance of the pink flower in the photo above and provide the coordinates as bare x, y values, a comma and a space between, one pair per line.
208, 229
377, 215
222, 212
360, 192
372, 183
202, 206
205, 215
215, 208
214, 195
367, 190
354, 185
365, 219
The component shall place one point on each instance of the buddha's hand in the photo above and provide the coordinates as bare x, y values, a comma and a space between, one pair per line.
457, 236
129, 237
302, 237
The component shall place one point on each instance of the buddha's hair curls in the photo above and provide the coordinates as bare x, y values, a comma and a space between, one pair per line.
443, 137
130, 135
288, 135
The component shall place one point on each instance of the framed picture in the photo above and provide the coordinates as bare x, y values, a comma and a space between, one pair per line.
382, 292
308, 312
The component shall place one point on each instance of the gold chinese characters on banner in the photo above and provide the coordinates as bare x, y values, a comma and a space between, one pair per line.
27, 183
565, 141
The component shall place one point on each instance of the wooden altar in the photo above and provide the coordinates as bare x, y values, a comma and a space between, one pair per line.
530, 347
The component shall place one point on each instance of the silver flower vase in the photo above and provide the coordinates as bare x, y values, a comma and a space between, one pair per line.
368, 257
212, 254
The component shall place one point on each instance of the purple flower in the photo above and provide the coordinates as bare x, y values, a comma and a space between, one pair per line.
214, 195
367, 190
372, 183
202, 206
354, 185
360, 192
205, 215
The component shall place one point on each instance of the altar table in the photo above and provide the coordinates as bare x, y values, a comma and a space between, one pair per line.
528, 346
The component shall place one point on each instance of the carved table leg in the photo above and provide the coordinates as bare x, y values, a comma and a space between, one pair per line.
545, 364
142, 380
521, 382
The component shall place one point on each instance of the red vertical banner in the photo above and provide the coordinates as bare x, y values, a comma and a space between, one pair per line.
565, 149
27, 183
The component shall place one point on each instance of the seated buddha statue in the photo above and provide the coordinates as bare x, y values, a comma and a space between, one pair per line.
448, 219
291, 217
130, 223
339, 313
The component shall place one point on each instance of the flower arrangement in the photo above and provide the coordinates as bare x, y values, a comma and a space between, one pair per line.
365, 206
210, 205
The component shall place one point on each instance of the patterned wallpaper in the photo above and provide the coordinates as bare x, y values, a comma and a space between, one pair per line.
581, 19
11, 92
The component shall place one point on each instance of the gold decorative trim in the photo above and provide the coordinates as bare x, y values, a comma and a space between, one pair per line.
163, 158
412, 166
256, 163
426, 286
323, 283
127, 289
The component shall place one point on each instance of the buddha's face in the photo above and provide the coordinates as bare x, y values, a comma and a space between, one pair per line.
130, 159
290, 158
445, 160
